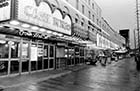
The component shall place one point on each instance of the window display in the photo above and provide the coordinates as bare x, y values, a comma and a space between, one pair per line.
51, 51
4, 49
45, 50
25, 50
14, 49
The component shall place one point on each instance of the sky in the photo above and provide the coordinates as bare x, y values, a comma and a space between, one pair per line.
120, 14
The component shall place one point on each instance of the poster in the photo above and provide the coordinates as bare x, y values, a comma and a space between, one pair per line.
25, 50
33, 53
40, 51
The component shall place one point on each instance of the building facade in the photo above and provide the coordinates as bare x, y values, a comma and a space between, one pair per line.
39, 35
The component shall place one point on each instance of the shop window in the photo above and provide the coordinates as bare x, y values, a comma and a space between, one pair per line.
14, 67
25, 51
25, 54
25, 66
46, 64
3, 67
77, 51
34, 56
51, 51
15, 49
45, 50
40, 56
81, 52
51, 63
4, 49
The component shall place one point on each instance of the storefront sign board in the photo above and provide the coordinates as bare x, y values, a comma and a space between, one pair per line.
5, 9
42, 16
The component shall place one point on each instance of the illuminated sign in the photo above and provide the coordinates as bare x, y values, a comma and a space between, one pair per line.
41, 15
5, 9
32, 34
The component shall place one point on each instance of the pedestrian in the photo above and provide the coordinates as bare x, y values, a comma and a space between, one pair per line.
137, 60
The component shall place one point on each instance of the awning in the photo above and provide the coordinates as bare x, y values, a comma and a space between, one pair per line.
120, 51
17, 31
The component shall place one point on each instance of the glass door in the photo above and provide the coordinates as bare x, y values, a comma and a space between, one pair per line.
34, 56
24, 56
45, 58
40, 57
4, 57
9, 56
77, 55
51, 56
81, 55
14, 56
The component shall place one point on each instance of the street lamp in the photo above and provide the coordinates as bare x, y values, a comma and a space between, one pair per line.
137, 14
137, 56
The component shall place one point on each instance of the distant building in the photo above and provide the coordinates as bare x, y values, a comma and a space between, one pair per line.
125, 34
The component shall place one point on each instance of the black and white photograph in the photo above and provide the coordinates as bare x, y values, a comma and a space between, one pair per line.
69, 45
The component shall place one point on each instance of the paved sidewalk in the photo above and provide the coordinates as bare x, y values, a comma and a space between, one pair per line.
8, 82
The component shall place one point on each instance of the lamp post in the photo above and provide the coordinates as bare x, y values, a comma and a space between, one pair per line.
137, 14
137, 56
135, 40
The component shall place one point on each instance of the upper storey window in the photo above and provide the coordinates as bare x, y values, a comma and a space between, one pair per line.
92, 5
82, 23
93, 18
89, 14
76, 20
83, 9
89, 2
77, 4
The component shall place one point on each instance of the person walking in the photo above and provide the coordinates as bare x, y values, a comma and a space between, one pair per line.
137, 60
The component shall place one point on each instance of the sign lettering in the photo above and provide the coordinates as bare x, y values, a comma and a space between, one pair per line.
4, 3
34, 13
33, 34
41, 15
5, 9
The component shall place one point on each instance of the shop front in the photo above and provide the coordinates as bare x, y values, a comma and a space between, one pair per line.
20, 55
26, 36
81, 35
61, 55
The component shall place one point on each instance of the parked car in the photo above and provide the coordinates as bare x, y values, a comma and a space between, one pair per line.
90, 56
114, 57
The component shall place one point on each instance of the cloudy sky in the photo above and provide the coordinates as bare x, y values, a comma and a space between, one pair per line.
120, 14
